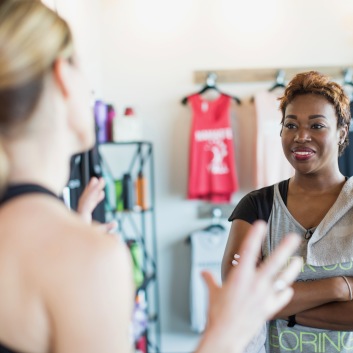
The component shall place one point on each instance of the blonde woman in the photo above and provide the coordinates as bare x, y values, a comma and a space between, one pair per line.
65, 286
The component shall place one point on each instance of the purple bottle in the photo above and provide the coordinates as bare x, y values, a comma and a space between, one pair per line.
101, 114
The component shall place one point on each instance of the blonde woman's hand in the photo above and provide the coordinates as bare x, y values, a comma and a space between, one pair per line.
91, 196
250, 295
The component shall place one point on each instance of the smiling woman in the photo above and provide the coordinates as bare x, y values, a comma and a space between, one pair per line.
320, 87
312, 138
316, 202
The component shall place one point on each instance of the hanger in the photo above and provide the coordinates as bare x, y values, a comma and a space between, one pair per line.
348, 77
214, 227
216, 221
210, 84
348, 81
280, 81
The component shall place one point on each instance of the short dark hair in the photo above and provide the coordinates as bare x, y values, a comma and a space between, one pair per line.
313, 82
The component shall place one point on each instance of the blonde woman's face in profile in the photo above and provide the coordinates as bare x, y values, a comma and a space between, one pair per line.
80, 107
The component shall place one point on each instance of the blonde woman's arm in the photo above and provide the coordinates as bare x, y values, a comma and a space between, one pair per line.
250, 295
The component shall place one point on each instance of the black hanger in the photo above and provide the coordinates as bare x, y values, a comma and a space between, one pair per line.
215, 227
279, 83
348, 81
216, 221
210, 84
348, 77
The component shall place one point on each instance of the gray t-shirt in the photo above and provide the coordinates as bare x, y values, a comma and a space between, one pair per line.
282, 338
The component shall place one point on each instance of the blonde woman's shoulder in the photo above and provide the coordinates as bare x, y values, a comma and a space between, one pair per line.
45, 221
77, 280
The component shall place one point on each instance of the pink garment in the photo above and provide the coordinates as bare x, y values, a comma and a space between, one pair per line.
212, 175
270, 163
244, 137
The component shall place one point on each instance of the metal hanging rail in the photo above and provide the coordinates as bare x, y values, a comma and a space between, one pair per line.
265, 74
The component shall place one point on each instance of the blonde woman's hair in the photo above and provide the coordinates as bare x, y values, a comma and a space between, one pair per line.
32, 37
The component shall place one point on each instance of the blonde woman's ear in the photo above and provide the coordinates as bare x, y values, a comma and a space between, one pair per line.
61, 75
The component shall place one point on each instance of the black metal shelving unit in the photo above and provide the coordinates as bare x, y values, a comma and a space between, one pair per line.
138, 224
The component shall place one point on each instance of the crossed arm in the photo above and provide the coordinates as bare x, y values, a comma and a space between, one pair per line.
323, 303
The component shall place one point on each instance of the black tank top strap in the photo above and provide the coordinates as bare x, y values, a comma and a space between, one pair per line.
21, 189
4, 349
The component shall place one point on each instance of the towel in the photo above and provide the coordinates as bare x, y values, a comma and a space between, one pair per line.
332, 241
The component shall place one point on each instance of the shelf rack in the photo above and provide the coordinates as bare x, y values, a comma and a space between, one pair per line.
138, 224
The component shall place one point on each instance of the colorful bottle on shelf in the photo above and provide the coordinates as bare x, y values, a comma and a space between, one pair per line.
140, 320
141, 196
119, 195
128, 192
137, 261
111, 115
100, 115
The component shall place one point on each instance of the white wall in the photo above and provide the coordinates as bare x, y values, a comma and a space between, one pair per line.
84, 20
149, 52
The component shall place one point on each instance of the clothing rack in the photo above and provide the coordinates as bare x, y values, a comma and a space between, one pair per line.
266, 74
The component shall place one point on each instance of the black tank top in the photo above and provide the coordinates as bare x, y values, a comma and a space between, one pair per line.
12, 192
20, 189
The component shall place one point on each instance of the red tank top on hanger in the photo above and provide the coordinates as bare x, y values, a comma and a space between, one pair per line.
212, 175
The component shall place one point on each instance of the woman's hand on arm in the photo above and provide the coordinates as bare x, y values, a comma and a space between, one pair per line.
249, 295
332, 316
312, 294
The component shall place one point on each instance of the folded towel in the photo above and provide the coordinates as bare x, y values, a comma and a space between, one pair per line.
332, 241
